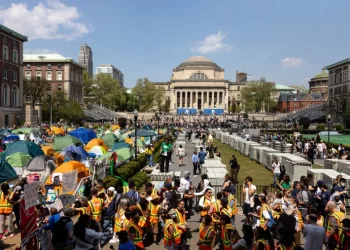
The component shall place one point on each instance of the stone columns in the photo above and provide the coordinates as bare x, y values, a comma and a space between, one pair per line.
191, 99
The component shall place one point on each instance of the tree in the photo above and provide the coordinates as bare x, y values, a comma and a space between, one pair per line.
88, 84
305, 122
144, 92
159, 98
257, 95
106, 91
35, 89
233, 106
71, 111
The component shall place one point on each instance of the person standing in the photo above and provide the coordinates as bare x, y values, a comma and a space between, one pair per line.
276, 169
181, 222
6, 211
172, 238
181, 154
195, 162
206, 201
234, 169
248, 191
134, 231
315, 236
334, 221
85, 237
62, 232
16, 199
201, 157
227, 233
96, 206
206, 233
149, 154
154, 209
165, 150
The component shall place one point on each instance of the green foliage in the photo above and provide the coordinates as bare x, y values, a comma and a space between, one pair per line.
255, 95
88, 84
338, 127
233, 107
140, 179
107, 92
159, 97
110, 181
245, 115
35, 89
305, 122
321, 127
144, 92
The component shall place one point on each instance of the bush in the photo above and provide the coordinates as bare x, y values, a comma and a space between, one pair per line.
110, 181
338, 127
305, 122
245, 115
140, 179
321, 127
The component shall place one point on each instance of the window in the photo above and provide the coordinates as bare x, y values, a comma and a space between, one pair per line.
294, 105
38, 74
59, 66
5, 40
15, 44
15, 75
15, 96
72, 75
5, 95
345, 76
199, 76
59, 87
15, 56
337, 78
38, 67
28, 66
238, 88
49, 87
49, 66
5, 53
5, 73
331, 79
49, 75
59, 76
28, 75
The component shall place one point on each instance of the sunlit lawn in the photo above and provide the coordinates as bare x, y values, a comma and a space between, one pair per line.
260, 174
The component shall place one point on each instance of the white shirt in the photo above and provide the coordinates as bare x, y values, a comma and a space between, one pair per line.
247, 196
181, 151
185, 183
201, 201
276, 168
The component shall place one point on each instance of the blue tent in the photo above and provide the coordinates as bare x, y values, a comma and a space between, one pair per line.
119, 145
85, 135
75, 153
143, 133
6, 171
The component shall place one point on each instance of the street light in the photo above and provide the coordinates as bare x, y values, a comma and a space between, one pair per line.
329, 122
158, 117
136, 113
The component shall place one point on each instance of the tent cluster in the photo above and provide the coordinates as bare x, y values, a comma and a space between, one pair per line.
78, 150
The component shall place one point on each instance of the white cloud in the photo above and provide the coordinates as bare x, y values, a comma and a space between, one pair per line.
307, 79
212, 43
39, 51
50, 20
291, 62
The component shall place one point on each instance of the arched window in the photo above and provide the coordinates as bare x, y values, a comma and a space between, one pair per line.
199, 76
5, 95
15, 96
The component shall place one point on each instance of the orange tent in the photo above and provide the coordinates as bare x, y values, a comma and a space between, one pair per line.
65, 168
129, 140
59, 159
95, 142
114, 127
57, 130
48, 150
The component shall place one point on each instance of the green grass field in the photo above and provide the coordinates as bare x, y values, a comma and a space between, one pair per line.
344, 139
260, 175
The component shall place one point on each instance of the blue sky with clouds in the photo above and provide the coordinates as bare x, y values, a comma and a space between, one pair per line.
284, 41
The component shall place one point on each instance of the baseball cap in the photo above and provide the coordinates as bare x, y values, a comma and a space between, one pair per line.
320, 183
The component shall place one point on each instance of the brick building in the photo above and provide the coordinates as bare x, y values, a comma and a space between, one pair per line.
289, 102
11, 80
319, 84
62, 73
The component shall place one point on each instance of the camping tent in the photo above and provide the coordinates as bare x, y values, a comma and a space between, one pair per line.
64, 141
41, 165
6, 171
124, 154
109, 139
97, 150
26, 147
18, 161
48, 150
143, 133
68, 167
85, 135
23, 130
119, 145
75, 153
96, 142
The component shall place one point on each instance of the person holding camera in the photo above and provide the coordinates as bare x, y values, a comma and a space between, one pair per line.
248, 191
85, 233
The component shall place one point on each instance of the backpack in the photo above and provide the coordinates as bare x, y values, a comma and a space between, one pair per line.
111, 209
272, 222
132, 200
59, 231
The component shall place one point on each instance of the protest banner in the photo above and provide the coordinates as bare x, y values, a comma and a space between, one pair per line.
70, 181
31, 194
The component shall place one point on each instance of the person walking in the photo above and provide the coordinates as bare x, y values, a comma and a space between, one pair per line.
181, 154
276, 169
149, 154
315, 236
234, 169
248, 191
195, 162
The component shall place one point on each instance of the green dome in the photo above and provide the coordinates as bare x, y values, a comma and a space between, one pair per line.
323, 74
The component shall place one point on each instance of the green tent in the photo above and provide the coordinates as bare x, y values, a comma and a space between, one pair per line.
6, 171
18, 159
26, 147
24, 130
64, 141
109, 139
124, 154
141, 143
123, 137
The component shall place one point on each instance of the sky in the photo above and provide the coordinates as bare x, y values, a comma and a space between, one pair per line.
287, 42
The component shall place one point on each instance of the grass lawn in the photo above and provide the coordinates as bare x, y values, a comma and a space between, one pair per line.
260, 175
344, 139
317, 166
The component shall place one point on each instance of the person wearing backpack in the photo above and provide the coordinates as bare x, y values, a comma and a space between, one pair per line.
62, 232
133, 195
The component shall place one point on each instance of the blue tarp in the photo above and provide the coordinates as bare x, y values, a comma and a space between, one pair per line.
213, 111
187, 111
143, 133
77, 153
85, 135
11, 138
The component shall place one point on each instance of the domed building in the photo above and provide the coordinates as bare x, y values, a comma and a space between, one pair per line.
199, 85
319, 84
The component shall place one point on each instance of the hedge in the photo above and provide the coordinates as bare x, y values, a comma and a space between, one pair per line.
132, 169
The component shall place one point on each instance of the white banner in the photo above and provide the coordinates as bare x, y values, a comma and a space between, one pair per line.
31, 194
69, 181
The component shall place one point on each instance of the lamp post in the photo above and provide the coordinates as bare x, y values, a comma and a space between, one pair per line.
329, 122
136, 113
158, 117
